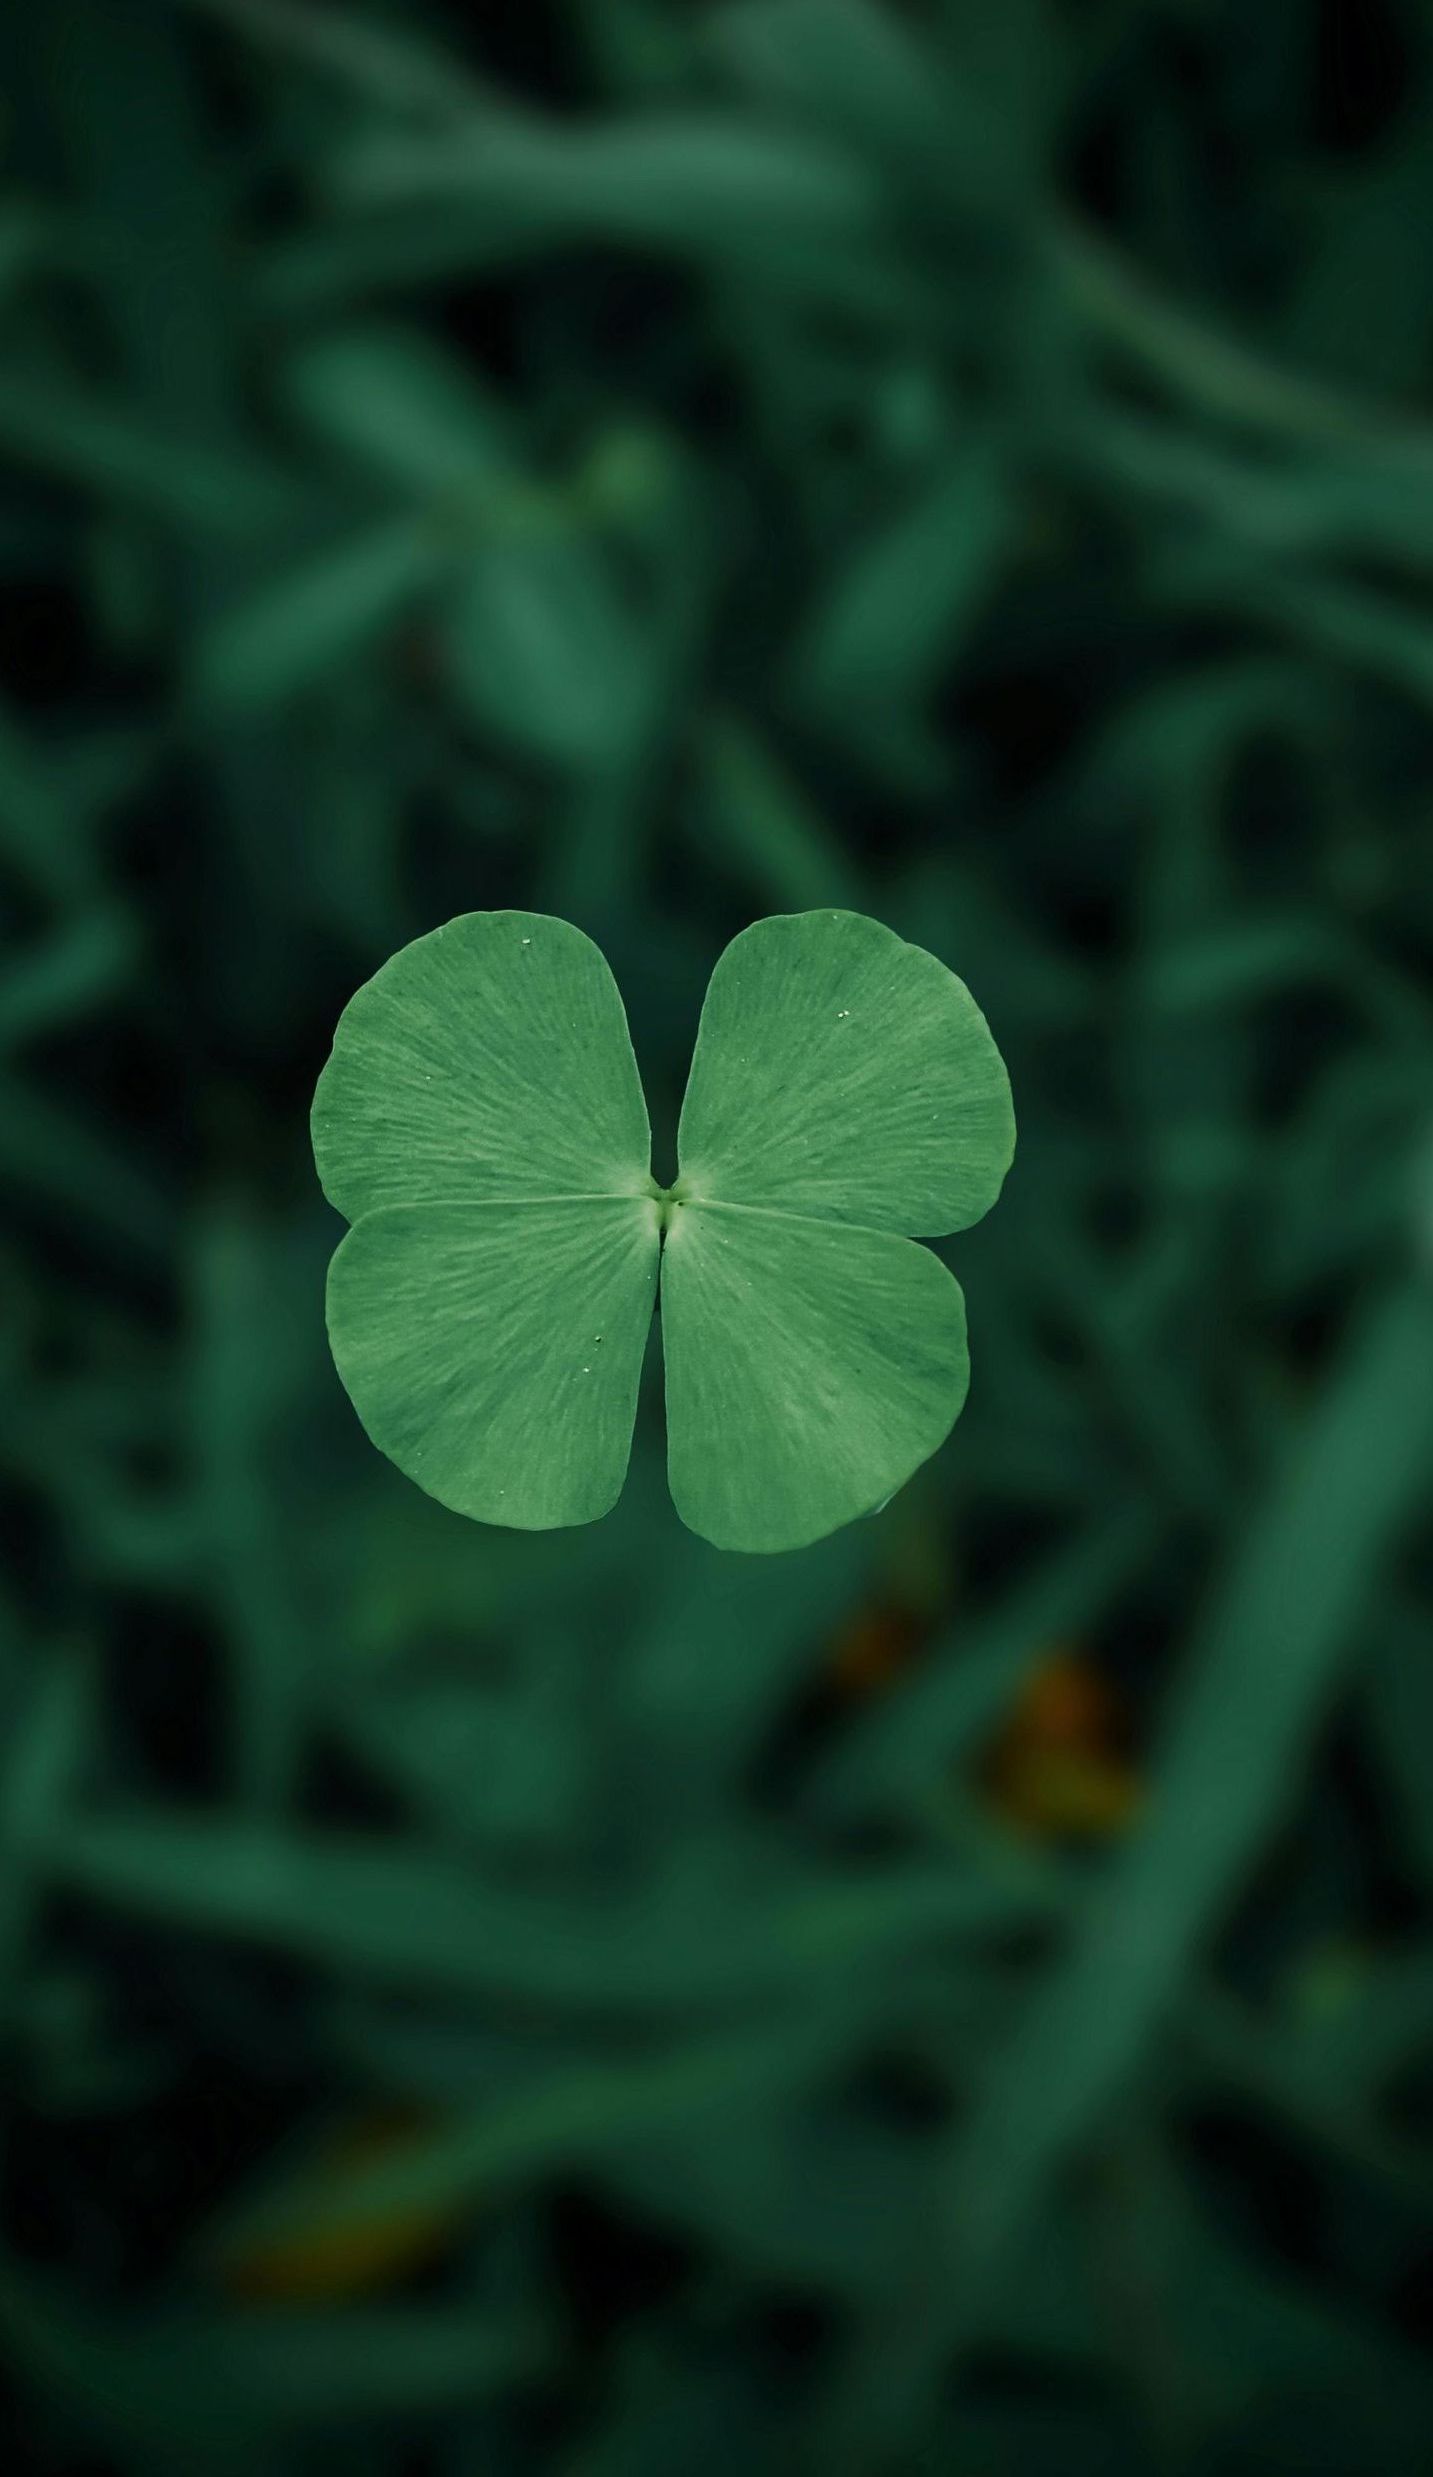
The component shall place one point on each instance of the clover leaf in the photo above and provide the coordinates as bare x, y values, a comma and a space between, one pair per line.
481, 1125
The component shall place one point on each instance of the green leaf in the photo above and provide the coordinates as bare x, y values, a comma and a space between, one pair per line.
840, 1076
810, 1369
843, 1074
488, 1315
490, 1058
493, 1350
482, 1124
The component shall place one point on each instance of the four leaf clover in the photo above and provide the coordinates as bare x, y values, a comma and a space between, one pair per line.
481, 1125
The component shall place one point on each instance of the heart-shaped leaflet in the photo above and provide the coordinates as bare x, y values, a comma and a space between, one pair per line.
481, 1123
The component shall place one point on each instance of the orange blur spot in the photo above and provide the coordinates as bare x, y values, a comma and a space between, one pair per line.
1058, 1769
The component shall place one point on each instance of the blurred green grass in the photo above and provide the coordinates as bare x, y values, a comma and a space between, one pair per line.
961, 1996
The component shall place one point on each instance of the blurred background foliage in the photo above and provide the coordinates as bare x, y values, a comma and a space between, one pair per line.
959, 1998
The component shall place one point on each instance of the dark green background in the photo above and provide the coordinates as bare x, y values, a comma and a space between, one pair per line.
478, 2004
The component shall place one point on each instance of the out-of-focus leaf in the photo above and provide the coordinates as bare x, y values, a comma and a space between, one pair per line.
350, 1904
716, 188
47, 1151
293, 634
503, 1772
573, 2114
1348, 314
41, 836
1308, 2384
1259, 1676
1345, 1180
680, 2412
28, 240
878, 638
1194, 728
1258, 958
906, 1745
240, 1389
807, 2196
390, 398
544, 651
1368, 632
852, 71
722, 1647
46, 1740
46, 421
1326, 506
1398, 1719
1318, 2078
403, 71
1216, 371
654, 179
79, 967
761, 824
636, 47
206, 2391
